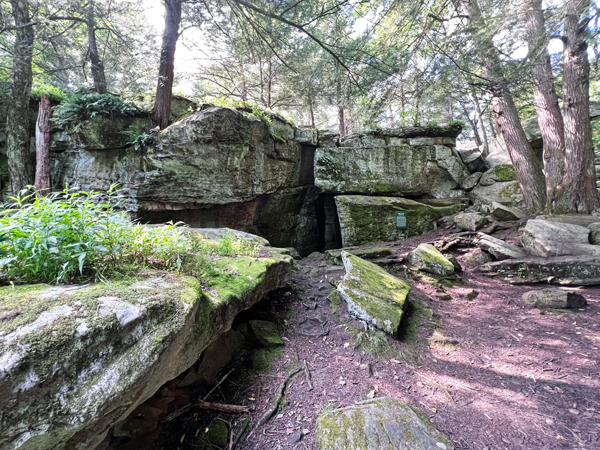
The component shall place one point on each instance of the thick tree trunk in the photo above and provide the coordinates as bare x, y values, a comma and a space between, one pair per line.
20, 169
164, 89
579, 193
528, 169
42, 147
340, 108
97, 65
546, 102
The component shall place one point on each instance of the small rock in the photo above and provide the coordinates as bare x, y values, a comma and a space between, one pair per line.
503, 212
554, 298
469, 221
266, 333
475, 258
497, 247
471, 181
428, 259
294, 253
296, 437
217, 434
471, 294
501, 172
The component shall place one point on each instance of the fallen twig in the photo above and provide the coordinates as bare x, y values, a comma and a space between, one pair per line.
307, 374
178, 412
233, 409
272, 408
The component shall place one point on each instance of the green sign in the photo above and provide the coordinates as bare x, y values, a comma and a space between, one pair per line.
401, 219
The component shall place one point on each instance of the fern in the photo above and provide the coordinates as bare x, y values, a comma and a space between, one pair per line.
86, 106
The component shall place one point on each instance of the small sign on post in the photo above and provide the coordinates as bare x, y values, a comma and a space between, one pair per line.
401, 219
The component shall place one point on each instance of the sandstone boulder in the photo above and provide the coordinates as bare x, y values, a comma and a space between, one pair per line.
381, 423
365, 219
546, 238
594, 233
372, 294
503, 212
471, 181
372, 166
469, 221
428, 259
497, 247
506, 193
74, 360
501, 172
554, 298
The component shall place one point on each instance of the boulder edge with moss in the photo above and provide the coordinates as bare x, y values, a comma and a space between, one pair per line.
74, 360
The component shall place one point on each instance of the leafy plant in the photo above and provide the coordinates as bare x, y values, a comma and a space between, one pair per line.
139, 138
85, 106
456, 123
41, 88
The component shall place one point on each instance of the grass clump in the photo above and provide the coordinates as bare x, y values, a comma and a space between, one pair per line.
69, 235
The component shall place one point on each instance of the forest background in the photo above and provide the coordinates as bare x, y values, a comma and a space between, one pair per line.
348, 65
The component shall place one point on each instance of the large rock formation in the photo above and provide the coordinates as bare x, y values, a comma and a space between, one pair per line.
373, 219
388, 164
74, 360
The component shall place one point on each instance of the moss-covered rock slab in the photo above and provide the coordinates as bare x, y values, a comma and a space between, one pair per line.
365, 219
372, 294
388, 166
266, 333
506, 193
429, 259
378, 424
501, 172
75, 360
107, 133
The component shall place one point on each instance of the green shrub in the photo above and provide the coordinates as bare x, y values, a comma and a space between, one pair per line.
85, 106
140, 138
41, 88
70, 235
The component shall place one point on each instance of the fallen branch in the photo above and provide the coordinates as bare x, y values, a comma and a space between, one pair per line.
307, 374
233, 441
233, 409
178, 412
272, 408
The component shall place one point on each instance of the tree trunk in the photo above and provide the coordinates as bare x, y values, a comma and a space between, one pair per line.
492, 125
42, 147
20, 169
97, 65
484, 137
473, 125
527, 167
579, 193
164, 89
340, 108
545, 99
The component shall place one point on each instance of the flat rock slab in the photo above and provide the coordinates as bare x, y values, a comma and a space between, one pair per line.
469, 221
504, 212
429, 259
565, 270
554, 298
363, 251
501, 172
582, 220
550, 238
366, 219
75, 360
378, 424
372, 294
497, 247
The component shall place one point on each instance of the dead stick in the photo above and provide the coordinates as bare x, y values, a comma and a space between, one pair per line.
178, 412
272, 408
307, 374
233, 409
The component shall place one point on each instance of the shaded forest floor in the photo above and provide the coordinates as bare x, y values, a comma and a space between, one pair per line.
491, 373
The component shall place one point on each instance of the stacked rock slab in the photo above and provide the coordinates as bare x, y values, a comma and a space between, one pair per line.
75, 360
365, 219
372, 294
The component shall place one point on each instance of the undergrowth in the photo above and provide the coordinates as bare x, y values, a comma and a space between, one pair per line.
70, 235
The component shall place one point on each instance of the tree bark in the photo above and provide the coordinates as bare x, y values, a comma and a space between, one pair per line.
340, 108
164, 89
579, 193
42, 147
97, 65
527, 167
20, 169
546, 104
484, 137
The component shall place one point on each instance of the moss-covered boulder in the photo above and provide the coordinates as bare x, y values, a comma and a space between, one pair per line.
501, 172
378, 424
504, 192
107, 133
365, 219
75, 360
388, 166
372, 294
266, 333
429, 259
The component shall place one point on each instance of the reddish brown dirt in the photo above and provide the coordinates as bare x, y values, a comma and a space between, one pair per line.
491, 373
